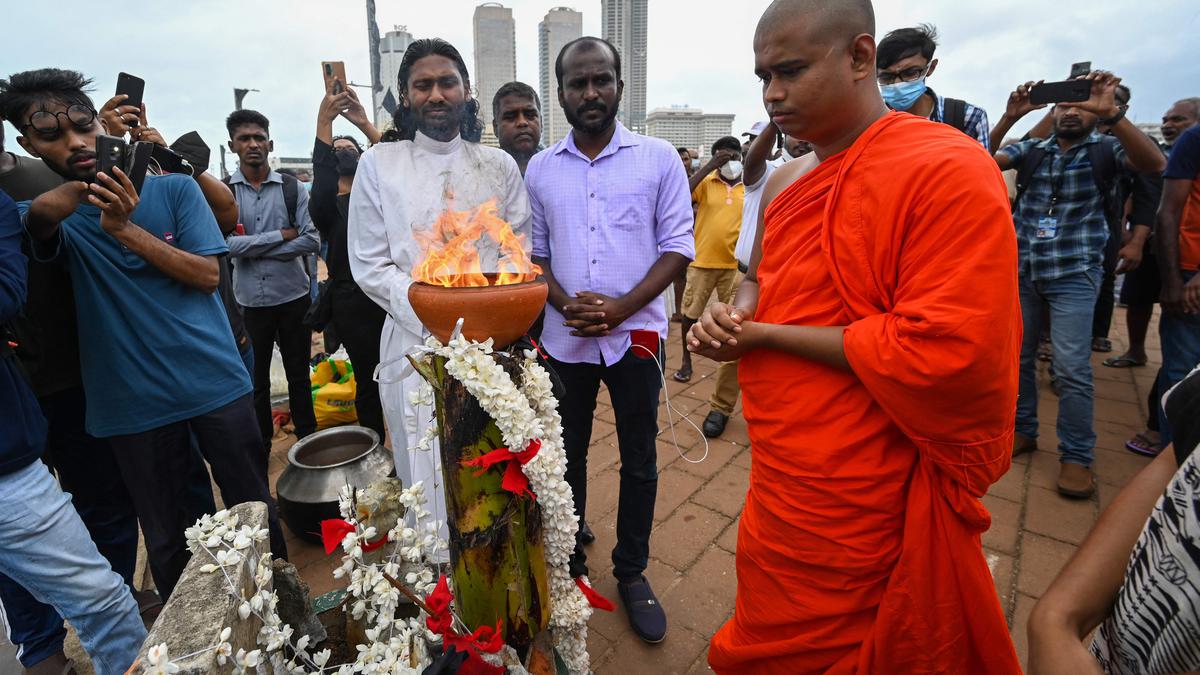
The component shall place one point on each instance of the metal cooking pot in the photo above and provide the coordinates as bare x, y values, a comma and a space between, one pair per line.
319, 466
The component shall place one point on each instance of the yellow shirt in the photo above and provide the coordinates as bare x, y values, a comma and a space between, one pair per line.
718, 221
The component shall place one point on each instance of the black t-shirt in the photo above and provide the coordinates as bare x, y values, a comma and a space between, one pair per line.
329, 210
47, 337
1183, 412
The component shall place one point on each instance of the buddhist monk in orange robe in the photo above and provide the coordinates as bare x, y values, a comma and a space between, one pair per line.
879, 335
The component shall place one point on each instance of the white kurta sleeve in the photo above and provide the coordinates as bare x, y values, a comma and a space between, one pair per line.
376, 270
516, 204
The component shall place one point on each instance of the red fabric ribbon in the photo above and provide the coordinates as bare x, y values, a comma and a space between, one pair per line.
515, 480
485, 638
333, 531
593, 597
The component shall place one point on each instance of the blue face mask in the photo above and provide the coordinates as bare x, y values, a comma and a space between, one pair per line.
902, 95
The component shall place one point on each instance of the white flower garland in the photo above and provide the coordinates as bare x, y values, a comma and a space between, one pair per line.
523, 414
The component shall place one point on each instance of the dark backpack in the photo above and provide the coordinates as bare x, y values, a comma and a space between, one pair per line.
291, 194
954, 113
1103, 158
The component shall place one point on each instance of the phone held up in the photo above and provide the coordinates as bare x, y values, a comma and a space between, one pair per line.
1068, 91
133, 87
334, 73
113, 152
1080, 69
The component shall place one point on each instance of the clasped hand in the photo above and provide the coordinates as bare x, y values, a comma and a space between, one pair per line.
591, 314
723, 333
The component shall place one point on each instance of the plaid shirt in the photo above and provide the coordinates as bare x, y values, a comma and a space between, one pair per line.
976, 119
1081, 231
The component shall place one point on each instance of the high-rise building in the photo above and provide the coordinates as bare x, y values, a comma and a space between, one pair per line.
686, 127
391, 52
625, 25
495, 54
560, 26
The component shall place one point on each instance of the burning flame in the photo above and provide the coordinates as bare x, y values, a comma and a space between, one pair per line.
451, 258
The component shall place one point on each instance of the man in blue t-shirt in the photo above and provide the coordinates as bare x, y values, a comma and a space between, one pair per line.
158, 358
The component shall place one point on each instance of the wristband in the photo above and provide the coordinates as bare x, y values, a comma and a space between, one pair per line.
1110, 121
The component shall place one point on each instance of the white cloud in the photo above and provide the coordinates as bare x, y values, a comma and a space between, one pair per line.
193, 54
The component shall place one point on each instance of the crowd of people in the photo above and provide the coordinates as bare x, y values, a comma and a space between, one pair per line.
877, 269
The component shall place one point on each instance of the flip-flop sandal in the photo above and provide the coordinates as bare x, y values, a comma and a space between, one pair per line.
1123, 362
680, 377
1102, 345
1140, 445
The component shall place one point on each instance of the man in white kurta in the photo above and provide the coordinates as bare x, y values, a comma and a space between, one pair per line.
400, 189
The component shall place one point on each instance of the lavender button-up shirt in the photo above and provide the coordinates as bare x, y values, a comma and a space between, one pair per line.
602, 224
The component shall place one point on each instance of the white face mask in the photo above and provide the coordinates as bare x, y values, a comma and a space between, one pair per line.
695, 164
731, 170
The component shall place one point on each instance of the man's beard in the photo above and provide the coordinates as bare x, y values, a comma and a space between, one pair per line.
1074, 134
574, 117
69, 173
446, 128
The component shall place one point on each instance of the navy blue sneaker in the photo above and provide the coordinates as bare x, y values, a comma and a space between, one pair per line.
646, 615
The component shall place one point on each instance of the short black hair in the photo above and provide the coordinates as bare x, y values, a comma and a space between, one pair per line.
1123, 92
586, 39
343, 137
905, 42
683, 151
727, 143
239, 118
518, 89
21, 91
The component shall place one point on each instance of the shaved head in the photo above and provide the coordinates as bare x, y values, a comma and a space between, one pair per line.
816, 60
827, 18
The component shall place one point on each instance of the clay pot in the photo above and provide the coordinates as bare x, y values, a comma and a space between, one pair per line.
502, 313
319, 466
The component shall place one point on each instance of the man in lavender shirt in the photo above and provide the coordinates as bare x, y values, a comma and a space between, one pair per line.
612, 228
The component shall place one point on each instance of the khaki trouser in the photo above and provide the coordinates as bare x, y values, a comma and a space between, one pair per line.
725, 396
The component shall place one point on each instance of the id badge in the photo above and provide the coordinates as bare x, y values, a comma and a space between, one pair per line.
1047, 227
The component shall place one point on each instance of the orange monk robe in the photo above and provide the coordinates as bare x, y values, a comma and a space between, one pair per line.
859, 546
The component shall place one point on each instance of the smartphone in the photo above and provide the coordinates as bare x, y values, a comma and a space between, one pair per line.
1080, 69
137, 162
133, 87
334, 73
1069, 91
110, 153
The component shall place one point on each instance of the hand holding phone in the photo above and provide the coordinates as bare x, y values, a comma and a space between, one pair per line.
133, 87
1080, 69
334, 74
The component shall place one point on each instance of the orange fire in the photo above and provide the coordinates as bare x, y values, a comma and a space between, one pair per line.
451, 258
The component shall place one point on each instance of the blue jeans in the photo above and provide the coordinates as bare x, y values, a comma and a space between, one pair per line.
87, 471
48, 551
1071, 301
1180, 338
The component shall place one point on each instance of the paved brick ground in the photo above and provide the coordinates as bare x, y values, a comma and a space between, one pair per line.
1034, 531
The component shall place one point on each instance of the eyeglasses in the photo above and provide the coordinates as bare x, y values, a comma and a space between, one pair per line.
907, 75
46, 122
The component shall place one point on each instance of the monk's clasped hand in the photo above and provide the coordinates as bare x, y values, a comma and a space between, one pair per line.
720, 333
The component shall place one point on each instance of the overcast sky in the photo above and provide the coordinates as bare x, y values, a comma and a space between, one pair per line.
192, 54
